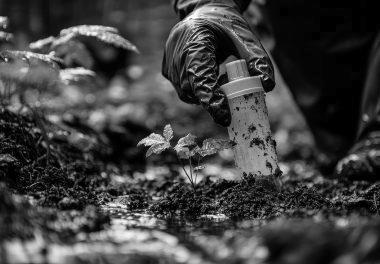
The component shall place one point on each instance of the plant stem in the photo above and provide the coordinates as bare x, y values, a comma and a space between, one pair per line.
196, 173
191, 168
187, 175
191, 173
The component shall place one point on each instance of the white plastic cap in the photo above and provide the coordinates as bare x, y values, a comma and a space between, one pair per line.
240, 82
237, 70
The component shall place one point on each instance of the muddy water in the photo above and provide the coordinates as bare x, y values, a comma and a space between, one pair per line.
133, 237
123, 218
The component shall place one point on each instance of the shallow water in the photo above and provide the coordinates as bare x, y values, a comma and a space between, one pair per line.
123, 218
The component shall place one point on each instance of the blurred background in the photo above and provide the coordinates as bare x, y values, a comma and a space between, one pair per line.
131, 97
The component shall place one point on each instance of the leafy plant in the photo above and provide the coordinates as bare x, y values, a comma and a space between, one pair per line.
44, 67
68, 46
186, 149
41, 69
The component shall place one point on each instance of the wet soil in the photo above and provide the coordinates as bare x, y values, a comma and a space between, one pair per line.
78, 203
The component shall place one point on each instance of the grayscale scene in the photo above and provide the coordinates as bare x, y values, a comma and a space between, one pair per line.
189, 131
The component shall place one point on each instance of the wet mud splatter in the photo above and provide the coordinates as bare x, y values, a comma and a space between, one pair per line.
257, 142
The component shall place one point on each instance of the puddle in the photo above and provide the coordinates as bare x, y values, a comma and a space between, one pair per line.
122, 218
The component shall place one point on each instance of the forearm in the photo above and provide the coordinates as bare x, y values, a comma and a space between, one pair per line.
184, 7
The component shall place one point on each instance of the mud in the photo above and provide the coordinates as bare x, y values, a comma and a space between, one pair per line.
64, 176
81, 207
257, 142
252, 199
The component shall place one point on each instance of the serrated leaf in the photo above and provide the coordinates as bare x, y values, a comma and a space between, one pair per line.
187, 141
157, 148
83, 28
151, 140
212, 146
107, 35
42, 44
168, 132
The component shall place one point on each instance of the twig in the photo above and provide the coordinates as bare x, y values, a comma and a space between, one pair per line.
34, 184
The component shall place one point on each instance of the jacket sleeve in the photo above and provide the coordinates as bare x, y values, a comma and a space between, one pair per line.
184, 7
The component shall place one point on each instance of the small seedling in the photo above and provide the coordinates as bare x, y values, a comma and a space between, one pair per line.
187, 150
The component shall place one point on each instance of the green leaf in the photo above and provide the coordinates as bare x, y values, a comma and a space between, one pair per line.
212, 146
157, 148
151, 140
168, 132
185, 142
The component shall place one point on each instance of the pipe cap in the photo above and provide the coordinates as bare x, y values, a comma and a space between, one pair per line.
237, 70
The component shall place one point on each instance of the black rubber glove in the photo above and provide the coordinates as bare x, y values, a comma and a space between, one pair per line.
199, 43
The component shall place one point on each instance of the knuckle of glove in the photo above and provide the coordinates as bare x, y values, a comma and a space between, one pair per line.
263, 68
219, 109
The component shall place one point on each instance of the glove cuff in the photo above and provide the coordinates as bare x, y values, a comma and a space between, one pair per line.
185, 7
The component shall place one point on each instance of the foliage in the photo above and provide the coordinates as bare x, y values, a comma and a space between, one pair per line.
186, 149
41, 69
109, 35
31, 58
69, 47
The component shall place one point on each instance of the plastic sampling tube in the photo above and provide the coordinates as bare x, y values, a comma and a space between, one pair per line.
255, 150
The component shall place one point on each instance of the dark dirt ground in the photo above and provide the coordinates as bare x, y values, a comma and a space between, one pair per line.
76, 201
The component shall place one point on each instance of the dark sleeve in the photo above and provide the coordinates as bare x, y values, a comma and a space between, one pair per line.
184, 7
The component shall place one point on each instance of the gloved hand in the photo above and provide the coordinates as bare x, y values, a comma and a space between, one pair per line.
199, 43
